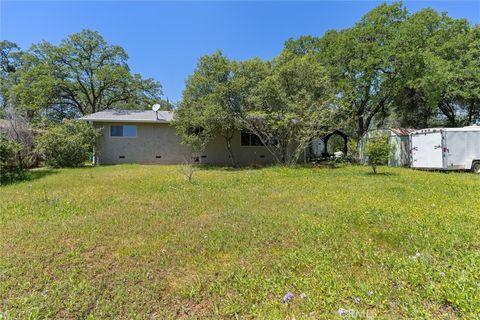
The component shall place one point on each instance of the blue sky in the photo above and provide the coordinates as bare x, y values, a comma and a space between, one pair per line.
165, 39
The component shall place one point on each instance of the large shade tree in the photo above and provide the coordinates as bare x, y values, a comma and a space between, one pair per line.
362, 63
415, 97
396, 69
82, 75
291, 106
440, 71
364, 66
10, 62
454, 65
284, 102
214, 100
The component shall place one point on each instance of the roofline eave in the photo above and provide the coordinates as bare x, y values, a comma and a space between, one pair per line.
125, 120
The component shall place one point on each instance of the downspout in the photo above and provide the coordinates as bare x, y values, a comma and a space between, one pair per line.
94, 149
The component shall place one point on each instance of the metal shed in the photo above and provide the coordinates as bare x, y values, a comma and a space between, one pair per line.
398, 139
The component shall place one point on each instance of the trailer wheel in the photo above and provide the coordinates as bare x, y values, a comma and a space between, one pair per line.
476, 167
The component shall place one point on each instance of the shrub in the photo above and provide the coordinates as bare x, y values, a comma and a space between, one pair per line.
68, 144
377, 150
10, 168
17, 128
352, 150
188, 170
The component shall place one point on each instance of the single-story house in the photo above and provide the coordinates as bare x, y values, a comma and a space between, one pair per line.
131, 136
399, 141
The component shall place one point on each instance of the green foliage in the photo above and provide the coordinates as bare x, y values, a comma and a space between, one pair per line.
291, 106
391, 68
133, 241
36, 90
10, 168
361, 61
284, 102
353, 150
82, 75
68, 144
397, 69
439, 57
10, 61
207, 109
17, 129
377, 150
214, 100
10, 56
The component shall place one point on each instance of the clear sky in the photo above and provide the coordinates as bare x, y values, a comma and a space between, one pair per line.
165, 39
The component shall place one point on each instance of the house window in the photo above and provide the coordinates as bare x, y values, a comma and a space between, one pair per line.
123, 131
250, 139
195, 131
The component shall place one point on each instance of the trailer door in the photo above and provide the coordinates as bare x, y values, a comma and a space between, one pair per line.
427, 150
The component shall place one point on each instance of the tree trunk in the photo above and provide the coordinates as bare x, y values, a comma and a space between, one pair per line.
449, 111
230, 152
228, 141
374, 169
360, 128
471, 111
20, 159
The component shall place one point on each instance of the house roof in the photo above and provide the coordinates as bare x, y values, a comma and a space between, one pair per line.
139, 116
402, 131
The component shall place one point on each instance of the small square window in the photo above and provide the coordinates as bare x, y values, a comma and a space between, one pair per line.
116, 131
129, 131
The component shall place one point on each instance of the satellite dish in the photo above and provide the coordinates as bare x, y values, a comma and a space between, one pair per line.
156, 107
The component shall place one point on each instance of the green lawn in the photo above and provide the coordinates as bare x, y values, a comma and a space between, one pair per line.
135, 241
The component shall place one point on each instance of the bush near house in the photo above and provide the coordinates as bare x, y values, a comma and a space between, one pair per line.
10, 168
377, 150
68, 144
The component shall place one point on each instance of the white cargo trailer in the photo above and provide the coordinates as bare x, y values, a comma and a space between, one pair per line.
446, 149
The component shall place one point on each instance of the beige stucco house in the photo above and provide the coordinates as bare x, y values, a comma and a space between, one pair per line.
131, 136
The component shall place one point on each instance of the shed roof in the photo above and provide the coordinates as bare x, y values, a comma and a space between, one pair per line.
140, 116
402, 131
395, 131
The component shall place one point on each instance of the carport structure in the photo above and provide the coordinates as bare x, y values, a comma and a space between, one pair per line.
320, 145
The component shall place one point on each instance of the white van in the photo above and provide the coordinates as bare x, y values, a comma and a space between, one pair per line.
446, 149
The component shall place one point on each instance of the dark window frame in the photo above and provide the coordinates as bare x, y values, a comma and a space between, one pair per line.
250, 139
118, 131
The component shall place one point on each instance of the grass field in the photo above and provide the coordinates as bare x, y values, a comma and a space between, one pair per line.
135, 241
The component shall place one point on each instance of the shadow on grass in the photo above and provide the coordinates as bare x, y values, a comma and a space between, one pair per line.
28, 175
324, 165
328, 165
212, 167
380, 174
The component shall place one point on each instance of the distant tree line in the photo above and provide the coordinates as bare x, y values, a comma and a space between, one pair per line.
391, 68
